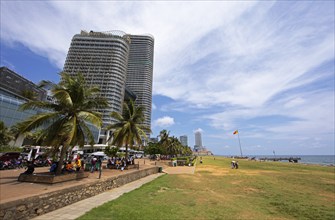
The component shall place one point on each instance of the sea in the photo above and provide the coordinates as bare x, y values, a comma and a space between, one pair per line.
307, 159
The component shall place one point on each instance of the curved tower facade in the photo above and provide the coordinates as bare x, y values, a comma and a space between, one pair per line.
140, 72
102, 57
120, 64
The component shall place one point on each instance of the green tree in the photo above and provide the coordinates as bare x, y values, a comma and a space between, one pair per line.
169, 145
5, 134
153, 148
64, 122
174, 146
164, 141
111, 151
128, 129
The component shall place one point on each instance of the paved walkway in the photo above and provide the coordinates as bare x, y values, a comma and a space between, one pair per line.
11, 189
80, 208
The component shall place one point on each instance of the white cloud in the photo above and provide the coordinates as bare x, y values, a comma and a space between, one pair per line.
164, 122
198, 130
230, 62
154, 107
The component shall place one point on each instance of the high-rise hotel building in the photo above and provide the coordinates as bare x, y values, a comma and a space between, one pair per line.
140, 72
198, 141
183, 140
119, 63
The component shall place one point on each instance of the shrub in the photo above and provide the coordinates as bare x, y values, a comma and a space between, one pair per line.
10, 149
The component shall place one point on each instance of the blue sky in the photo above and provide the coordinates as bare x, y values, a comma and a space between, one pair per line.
265, 68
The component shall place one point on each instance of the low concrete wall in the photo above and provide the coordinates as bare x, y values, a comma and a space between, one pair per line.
50, 178
37, 205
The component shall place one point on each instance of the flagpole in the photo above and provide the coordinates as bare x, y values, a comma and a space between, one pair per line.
238, 134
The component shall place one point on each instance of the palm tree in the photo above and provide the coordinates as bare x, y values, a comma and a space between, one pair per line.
174, 146
164, 140
5, 134
64, 122
128, 129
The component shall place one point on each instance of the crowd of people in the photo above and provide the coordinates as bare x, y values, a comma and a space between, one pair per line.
119, 163
69, 166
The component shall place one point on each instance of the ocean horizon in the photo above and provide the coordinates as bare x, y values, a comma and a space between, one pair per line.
305, 159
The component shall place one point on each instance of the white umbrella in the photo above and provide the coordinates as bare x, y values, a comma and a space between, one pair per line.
99, 154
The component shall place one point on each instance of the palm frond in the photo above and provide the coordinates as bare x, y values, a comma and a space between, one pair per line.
69, 129
87, 132
91, 117
62, 96
38, 105
37, 121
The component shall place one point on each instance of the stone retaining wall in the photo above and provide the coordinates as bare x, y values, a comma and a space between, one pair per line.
37, 205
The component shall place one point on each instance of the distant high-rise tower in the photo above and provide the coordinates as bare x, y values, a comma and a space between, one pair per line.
198, 140
140, 72
183, 140
112, 61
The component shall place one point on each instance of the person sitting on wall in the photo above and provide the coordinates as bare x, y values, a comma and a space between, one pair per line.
69, 167
109, 163
78, 164
118, 164
82, 164
30, 168
53, 167
123, 164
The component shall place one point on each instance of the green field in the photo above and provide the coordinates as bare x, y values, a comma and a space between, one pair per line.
257, 190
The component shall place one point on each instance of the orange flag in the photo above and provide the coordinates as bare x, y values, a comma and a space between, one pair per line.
235, 132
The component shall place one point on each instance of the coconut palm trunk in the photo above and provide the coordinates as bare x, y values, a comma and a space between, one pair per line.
61, 160
126, 151
128, 130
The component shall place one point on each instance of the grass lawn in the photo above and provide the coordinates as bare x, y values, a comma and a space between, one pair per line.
257, 190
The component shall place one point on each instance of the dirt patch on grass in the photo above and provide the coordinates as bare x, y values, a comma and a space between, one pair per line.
328, 181
237, 182
163, 189
329, 197
212, 170
257, 172
249, 190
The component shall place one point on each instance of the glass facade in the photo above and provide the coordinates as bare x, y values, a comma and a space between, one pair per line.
10, 113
